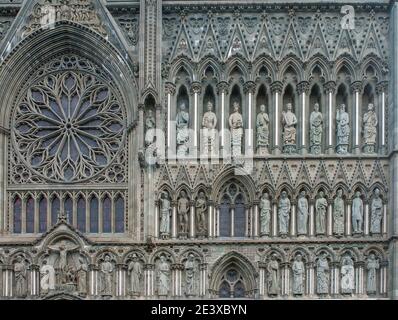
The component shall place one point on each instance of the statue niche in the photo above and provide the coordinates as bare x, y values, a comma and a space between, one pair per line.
191, 275
135, 272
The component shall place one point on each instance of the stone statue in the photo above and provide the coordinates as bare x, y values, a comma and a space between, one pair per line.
284, 213
265, 214
201, 212
298, 275
357, 213
63, 249
150, 124
106, 272
376, 213
343, 130
262, 125
165, 213
338, 214
347, 275
322, 274
236, 127
321, 206
370, 129
372, 266
183, 214
316, 122
135, 272
20, 276
273, 276
182, 123
209, 124
289, 122
190, 276
82, 272
163, 276
47, 278
302, 214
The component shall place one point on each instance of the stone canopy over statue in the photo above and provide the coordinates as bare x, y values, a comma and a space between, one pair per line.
289, 121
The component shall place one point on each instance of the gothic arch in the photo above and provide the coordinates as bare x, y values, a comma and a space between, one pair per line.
104, 252
233, 260
236, 62
267, 62
349, 63
187, 251
321, 62
295, 64
373, 61
140, 253
181, 63
331, 255
207, 62
163, 251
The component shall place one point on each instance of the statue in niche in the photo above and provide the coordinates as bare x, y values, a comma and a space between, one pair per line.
273, 276
150, 125
209, 125
357, 213
370, 129
338, 214
376, 213
20, 276
265, 214
201, 211
183, 214
347, 275
372, 266
135, 272
343, 130
182, 123
298, 275
165, 213
284, 213
47, 278
322, 274
302, 214
262, 125
64, 271
190, 276
106, 276
321, 206
316, 122
289, 121
82, 272
163, 276
236, 126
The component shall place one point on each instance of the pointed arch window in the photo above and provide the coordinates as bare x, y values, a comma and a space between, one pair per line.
94, 215
107, 215
81, 214
119, 215
55, 207
30, 215
68, 209
17, 215
42, 214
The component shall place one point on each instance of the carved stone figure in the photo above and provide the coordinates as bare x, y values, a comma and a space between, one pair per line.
190, 276
372, 266
47, 278
163, 276
316, 123
236, 127
106, 272
289, 121
135, 272
338, 214
209, 124
273, 276
265, 214
20, 276
150, 124
201, 212
165, 213
262, 125
82, 272
284, 213
322, 274
182, 123
302, 214
183, 214
62, 268
343, 130
376, 213
298, 275
357, 213
321, 206
370, 122
347, 275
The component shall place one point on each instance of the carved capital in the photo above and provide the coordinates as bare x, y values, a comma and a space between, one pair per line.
192, 203
356, 86
121, 266
93, 267
170, 88
276, 86
381, 87
149, 266
196, 87
140, 107
303, 86
210, 203
249, 87
222, 87
358, 264
203, 266
329, 86
174, 203
177, 266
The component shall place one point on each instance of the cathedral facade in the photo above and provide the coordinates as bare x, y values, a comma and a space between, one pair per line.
178, 149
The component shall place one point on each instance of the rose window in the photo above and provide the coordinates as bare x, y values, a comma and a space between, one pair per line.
68, 126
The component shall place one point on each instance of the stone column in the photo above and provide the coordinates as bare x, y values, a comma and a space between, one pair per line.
262, 266
141, 126
385, 218
356, 88
232, 220
348, 222
157, 219
93, 289
310, 279
174, 224
203, 278
329, 229
210, 229
192, 226
170, 91
384, 277
285, 271
329, 88
196, 90
302, 109
217, 223
366, 217
293, 218
222, 91
176, 270
249, 221
275, 218
256, 219
335, 279
149, 280
121, 271
34, 279
8, 271
359, 278
249, 89
4, 135
276, 89
380, 108
311, 218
